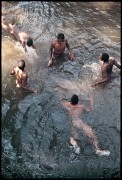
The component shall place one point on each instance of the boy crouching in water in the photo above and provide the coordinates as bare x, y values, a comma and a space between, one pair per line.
21, 76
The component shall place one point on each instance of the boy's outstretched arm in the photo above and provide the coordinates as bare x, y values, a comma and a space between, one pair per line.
71, 53
91, 104
100, 82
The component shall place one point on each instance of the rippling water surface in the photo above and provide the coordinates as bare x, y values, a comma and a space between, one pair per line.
35, 127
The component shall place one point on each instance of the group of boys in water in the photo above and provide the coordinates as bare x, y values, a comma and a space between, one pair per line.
57, 52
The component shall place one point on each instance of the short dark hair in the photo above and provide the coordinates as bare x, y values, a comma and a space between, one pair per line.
105, 57
21, 64
30, 42
60, 36
74, 99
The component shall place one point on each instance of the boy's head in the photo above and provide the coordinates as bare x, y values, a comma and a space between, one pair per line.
4, 20
60, 37
74, 99
104, 57
30, 42
21, 64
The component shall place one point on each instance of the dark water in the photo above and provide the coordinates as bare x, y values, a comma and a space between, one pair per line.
35, 127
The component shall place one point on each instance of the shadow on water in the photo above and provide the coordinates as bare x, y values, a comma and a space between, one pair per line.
36, 129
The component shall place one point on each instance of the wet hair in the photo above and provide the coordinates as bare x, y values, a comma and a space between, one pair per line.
105, 57
60, 36
30, 42
74, 99
3, 18
21, 64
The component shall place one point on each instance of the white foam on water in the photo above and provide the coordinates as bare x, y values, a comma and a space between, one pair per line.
31, 54
77, 149
75, 146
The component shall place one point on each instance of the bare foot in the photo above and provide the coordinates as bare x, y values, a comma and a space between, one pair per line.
103, 152
72, 141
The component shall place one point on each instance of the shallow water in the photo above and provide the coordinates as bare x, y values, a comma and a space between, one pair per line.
36, 129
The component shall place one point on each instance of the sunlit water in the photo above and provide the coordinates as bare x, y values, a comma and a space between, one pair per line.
36, 129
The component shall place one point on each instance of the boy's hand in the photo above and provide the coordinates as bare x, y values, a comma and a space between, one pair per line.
72, 56
50, 62
93, 85
12, 72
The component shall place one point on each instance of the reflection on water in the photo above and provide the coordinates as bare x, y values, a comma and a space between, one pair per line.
35, 127
10, 52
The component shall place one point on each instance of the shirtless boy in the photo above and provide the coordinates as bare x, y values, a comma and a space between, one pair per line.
74, 110
57, 49
106, 68
22, 37
21, 76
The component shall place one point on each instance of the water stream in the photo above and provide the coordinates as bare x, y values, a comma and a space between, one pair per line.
36, 128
